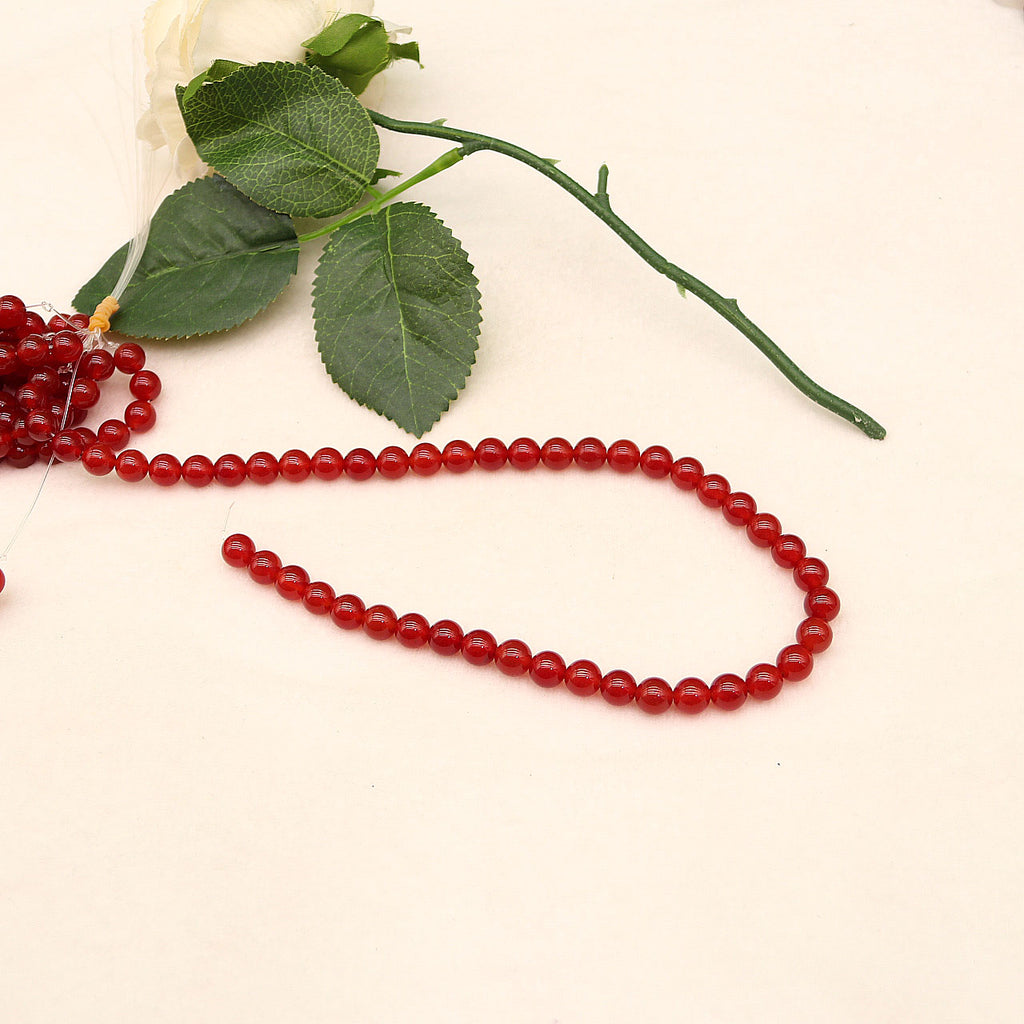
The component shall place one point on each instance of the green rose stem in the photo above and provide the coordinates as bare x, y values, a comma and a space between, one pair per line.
598, 204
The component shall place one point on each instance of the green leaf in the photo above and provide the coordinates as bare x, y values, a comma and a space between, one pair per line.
216, 72
290, 137
214, 259
398, 314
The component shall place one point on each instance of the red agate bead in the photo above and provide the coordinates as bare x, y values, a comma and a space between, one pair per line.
513, 658
164, 470
547, 669
238, 550
787, 550
197, 471
347, 611
229, 470
425, 459
656, 462
413, 630
360, 464
380, 622
739, 508
822, 603
327, 464
618, 688
590, 454
446, 637
763, 529
392, 463
687, 474
524, 453
728, 691
318, 598
691, 695
556, 453
815, 634
623, 456
294, 466
458, 456
583, 678
713, 490
262, 468
654, 696
291, 582
491, 454
795, 662
764, 682
132, 466
98, 459
264, 567
479, 647
810, 573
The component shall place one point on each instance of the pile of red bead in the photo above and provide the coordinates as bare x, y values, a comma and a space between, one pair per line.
49, 382
513, 657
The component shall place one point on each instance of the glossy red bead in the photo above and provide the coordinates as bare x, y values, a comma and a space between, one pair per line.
618, 688
691, 695
822, 603
3, 581
145, 384
623, 456
132, 466
479, 647
347, 611
814, 634
425, 459
140, 416
491, 454
380, 622
327, 464
318, 598
291, 582
40, 425
764, 682
98, 459
795, 662
656, 462
197, 471
728, 692
583, 678
458, 456
787, 550
229, 470
556, 453
264, 567
590, 454
513, 658
12, 312
294, 466
129, 358
392, 462
654, 696
67, 446
262, 468
763, 529
238, 550
98, 365
85, 393
810, 573
547, 669
687, 474
713, 490
67, 347
446, 638
115, 433
164, 470
413, 630
739, 508
524, 454
360, 464
33, 350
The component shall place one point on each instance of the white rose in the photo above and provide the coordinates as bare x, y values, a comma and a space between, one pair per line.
184, 37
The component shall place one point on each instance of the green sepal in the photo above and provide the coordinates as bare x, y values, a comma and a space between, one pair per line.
214, 260
355, 48
397, 314
290, 137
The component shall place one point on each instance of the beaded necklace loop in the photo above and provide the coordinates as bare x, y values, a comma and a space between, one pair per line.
48, 382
